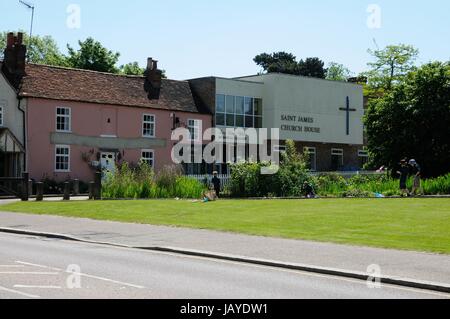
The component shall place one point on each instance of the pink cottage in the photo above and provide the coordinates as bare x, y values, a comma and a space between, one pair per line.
78, 120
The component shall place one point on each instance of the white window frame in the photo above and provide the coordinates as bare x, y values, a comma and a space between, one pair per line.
363, 153
152, 159
68, 117
197, 127
144, 122
338, 152
56, 157
279, 148
312, 151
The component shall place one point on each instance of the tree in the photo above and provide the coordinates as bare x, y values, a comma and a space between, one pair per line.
282, 62
92, 55
312, 67
132, 69
413, 120
390, 66
40, 50
337, 72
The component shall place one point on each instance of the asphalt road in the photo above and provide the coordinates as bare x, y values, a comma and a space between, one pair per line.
32, 267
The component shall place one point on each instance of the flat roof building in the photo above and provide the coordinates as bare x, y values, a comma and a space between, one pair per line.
324, 118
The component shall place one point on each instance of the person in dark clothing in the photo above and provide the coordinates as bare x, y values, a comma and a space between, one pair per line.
308, 190
416, 172
216, 183
403, 172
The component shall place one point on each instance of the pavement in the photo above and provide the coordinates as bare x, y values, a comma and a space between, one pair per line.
413, 266
37, 267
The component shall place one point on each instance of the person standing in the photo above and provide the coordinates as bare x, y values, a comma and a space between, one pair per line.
216, 183
403, 172
417, 174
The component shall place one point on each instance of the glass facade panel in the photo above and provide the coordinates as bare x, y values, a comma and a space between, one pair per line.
258, 107
220, 119
249, 122
230, 120
239, 105
238, 111
239, 120
248, 106
220, 103
230, 104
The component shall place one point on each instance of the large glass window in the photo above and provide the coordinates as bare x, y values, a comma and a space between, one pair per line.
238, 111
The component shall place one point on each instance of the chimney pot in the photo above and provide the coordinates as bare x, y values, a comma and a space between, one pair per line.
20, 38
10, 40
149, 63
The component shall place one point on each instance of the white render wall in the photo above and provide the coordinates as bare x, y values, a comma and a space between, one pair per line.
12, 117
298, 97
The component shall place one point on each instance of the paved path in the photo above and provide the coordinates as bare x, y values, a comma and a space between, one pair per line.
40, 268
393, 263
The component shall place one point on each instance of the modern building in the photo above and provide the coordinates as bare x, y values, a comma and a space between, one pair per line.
324, 118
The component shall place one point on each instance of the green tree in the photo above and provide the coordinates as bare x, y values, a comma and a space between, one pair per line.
40, 50
92, 55
390, 66
282, 62
132, 68
337, 72
413, 120
312, 67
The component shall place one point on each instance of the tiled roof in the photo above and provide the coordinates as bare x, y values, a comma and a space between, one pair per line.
67, 84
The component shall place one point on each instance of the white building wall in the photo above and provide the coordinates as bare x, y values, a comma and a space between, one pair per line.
295, 97
12, 116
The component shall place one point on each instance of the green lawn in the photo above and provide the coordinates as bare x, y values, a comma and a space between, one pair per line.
412, 224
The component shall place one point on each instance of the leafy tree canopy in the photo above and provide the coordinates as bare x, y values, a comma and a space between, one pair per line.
92, 55
40, 50
282, 62
413, 120
390, 66
337, 72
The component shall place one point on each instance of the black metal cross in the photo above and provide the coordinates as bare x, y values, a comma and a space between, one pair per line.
348, 110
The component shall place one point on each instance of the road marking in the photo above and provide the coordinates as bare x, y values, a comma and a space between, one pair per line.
36, 265
84, 275
27, 273
37, 287
12, 266
111, 280
19, 292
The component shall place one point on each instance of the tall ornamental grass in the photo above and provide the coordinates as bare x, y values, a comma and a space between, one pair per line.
142, 183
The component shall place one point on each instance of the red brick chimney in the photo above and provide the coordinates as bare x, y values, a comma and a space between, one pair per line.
14, 58
153, 80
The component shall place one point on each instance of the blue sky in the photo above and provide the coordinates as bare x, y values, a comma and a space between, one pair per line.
210, 37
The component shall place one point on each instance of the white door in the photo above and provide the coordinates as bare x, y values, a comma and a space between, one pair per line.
108, 162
